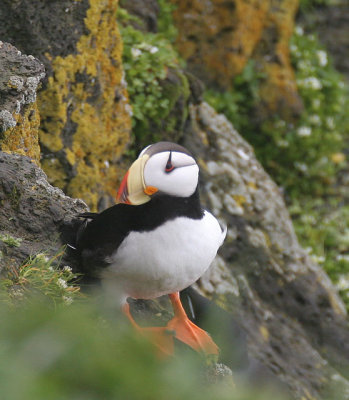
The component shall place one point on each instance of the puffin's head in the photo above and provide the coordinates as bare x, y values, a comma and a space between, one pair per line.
161, 168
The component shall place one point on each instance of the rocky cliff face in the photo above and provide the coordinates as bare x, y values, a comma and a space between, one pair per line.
295, 322
85, 116
32, 211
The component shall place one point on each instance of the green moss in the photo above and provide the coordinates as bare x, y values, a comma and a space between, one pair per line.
15, 197
157, 87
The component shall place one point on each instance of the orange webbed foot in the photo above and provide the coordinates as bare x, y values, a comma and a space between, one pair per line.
189, 333
159, 336
179, 327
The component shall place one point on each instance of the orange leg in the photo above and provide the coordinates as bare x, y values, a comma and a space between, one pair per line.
160, 336
187, 332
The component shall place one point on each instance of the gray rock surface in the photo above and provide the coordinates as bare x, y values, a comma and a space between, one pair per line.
19, 79
36, 26
295, 321
31, 211
331, 22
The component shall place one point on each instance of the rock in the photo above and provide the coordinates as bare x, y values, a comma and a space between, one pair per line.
32, 211
295, 322
217, 38
146, 11
332, 25
19, 118
84, 110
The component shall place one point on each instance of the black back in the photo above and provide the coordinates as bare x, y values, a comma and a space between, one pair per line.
103, 234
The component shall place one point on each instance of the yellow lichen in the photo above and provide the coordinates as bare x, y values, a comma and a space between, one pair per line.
224, 39
240, 200
101, 126
252, 185
23, 138
263, 330
55, 169
218, 45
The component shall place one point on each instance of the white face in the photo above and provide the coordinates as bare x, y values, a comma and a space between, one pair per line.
181, 181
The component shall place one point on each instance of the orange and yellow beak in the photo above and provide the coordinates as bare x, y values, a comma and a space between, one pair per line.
133, 189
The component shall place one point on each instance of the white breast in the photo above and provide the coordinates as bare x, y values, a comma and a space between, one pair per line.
167, 259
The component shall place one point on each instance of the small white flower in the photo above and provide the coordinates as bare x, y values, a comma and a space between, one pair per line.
330, 122
135, 52
154, 50
302, 64
293, 48
299, 30
315, 119
62, 283
322, 58
318, 259
311, 83
342, 257
301, 166
343, 282
282, 143
42, 257
304, 131
316, 103
308, 250
106, 163
66, 268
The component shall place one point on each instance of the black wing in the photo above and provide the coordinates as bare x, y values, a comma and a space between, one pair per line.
99, 237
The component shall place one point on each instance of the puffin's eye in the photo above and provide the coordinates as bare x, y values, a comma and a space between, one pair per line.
169, 167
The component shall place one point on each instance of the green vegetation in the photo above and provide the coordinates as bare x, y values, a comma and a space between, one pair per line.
39, 276
313, 145
322, 226
147, 60
10, 240
55, 348
166, 26
83, 352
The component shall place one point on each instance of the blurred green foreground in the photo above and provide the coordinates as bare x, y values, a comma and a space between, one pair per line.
83, 352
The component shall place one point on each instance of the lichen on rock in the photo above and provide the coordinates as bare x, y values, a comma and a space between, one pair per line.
19, 116
217, 38
85, 117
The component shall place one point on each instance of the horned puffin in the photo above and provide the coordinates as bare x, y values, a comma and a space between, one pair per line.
157, 240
